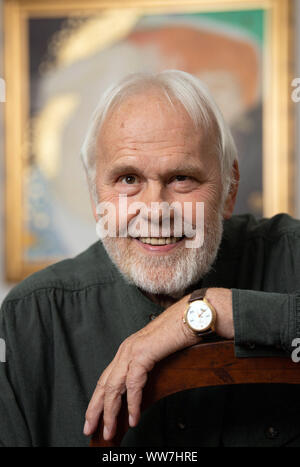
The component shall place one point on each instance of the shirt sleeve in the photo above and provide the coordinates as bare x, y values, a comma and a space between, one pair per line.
13, 428
265, 324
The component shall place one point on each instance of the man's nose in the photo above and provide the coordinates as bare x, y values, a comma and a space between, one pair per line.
153, 192
153, 195
158, 210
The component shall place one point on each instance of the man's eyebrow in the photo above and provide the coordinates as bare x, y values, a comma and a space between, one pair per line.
123, 169
186, 169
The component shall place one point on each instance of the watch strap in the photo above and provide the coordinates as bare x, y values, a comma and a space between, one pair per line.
198, 294
210, 336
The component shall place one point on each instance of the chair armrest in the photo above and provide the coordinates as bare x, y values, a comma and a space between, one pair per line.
211, 364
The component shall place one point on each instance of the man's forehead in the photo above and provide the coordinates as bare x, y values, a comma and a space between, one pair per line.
149, 112
149, 122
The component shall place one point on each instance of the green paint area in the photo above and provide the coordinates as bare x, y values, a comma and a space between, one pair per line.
249, 21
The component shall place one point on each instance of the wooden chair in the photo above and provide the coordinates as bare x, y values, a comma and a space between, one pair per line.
212, 364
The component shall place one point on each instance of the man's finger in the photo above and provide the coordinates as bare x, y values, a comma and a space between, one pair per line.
135, 382
112, 405
94, 410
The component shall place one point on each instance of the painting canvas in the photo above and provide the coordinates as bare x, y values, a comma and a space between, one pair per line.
72, 58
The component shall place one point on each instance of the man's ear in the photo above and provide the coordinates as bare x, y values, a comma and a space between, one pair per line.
231, 197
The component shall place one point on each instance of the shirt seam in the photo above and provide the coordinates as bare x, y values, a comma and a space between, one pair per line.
49, 288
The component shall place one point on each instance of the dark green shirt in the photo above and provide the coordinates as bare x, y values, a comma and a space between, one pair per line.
63, 325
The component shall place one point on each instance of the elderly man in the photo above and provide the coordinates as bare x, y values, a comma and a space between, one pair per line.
82, 332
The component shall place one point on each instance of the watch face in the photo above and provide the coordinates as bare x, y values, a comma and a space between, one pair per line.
199, 316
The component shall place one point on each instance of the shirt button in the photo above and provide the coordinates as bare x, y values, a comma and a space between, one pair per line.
272, 432
152, 317
251, 346
181, 425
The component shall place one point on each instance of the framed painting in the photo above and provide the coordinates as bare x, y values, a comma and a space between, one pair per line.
60, 56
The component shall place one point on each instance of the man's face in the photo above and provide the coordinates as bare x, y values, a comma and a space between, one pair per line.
151, 152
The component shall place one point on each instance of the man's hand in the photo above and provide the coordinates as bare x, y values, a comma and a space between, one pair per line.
138, 354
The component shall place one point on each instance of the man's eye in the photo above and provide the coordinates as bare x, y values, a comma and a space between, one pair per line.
128, 179
180, 178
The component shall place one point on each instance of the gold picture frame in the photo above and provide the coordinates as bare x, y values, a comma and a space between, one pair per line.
277, 158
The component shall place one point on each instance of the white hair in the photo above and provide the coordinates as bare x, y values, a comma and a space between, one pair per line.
175, 84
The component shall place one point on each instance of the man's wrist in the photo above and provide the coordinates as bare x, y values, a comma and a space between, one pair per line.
221, 300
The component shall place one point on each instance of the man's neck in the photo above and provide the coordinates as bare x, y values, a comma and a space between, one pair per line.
163, 300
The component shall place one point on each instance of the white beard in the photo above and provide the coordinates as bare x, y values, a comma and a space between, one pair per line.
168, 274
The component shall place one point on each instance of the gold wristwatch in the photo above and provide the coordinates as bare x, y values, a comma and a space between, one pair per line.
200, 315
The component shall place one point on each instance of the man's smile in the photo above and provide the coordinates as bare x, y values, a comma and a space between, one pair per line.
159, 244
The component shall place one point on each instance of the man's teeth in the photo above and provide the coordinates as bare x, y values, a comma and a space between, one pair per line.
159, 241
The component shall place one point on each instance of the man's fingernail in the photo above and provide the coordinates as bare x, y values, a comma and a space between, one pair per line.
131, 420
105, 432
86, 428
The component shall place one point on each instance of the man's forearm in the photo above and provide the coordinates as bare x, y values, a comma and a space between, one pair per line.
265, 323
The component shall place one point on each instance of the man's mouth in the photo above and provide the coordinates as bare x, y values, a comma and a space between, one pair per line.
159, 245
159, 240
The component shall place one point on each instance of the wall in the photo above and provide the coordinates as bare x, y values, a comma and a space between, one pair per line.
4, 287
